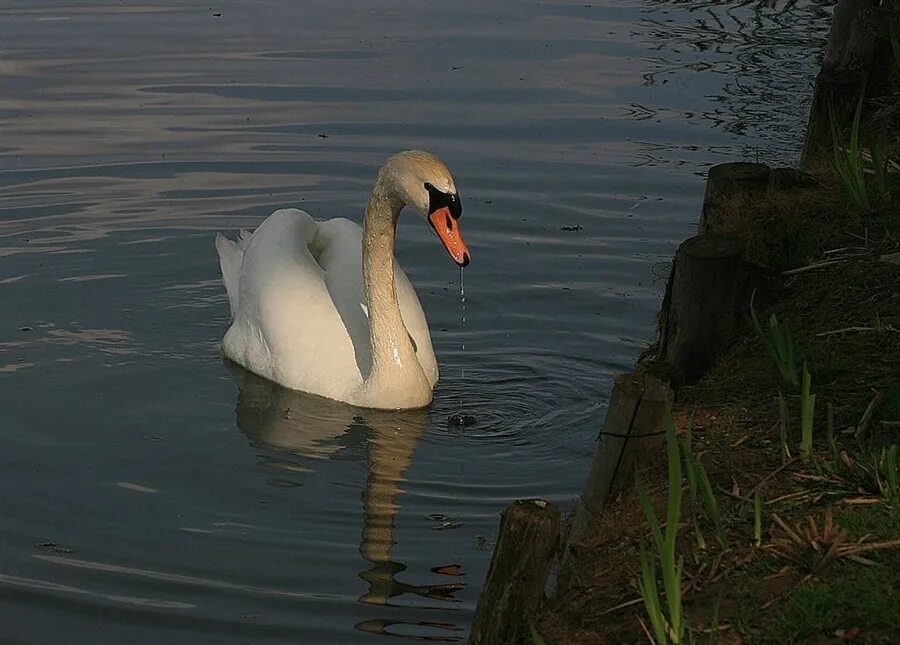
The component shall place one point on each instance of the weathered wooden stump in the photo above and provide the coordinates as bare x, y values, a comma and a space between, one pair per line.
514, 588
637, 413
730, 185
700, 313
790, 179
845, 71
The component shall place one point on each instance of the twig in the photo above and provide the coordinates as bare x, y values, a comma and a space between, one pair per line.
860, 237
623, 605
859, 329
740, 441
820, 478
867, 415
787, 529
857, 501
768, 477
800, 494
845, 330
855, 549
812, 267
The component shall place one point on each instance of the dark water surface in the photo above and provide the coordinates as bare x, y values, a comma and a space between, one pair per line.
149, 493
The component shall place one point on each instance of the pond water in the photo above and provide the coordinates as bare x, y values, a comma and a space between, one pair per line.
151, 493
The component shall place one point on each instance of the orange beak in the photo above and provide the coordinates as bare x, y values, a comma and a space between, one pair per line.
447, 229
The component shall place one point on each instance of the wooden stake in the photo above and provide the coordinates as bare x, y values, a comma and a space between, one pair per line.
731, 184
637, 412
701, 311
845, 71
514, 589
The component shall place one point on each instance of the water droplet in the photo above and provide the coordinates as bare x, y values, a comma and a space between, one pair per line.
462, 301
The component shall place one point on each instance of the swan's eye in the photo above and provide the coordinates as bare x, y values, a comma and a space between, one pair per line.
428, 187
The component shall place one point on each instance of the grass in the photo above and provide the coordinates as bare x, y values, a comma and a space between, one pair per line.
848, 161
776, 338
854, 164
807, 416
883, 469
667, 622
700, 488
852, 597
784, 425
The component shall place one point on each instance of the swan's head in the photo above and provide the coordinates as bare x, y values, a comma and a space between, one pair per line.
422, 181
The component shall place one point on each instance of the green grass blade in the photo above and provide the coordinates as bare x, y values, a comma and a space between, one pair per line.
807, 412
784, 427
651, 516
832, 445
650, 594
848, 160
671, 571
712, 507
536, 638
757, 520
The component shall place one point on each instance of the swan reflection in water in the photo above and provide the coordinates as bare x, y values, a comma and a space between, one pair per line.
306, 425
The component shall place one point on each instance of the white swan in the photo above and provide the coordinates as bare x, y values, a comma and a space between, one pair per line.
323, 307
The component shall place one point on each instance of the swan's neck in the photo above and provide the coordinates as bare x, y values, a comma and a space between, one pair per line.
392, 351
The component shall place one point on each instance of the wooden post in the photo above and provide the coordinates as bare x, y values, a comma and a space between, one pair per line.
514, 588
637, 410
731, 184
701, 310
845, 71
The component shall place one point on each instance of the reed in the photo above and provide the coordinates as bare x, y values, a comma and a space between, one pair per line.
807, 413
778, 341
667, 622
698, 482
784, 422
848, 161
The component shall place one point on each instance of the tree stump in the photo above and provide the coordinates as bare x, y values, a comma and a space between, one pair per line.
638, 409
514, 588
789, 179
731, 185
701, 310
845, 71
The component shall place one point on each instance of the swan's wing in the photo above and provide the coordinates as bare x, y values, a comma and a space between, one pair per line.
338, 250
286, 326
231, 255
416, 324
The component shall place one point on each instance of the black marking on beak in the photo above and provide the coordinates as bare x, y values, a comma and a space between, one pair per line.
439, 199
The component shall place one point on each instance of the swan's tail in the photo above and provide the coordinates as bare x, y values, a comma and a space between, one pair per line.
231, 255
